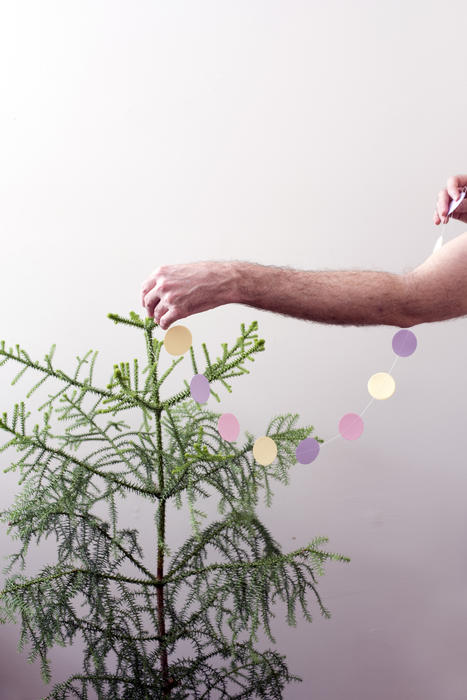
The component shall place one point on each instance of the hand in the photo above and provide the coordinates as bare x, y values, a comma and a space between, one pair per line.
453, 189
177, 291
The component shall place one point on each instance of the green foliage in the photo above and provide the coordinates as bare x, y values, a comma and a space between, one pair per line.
215, 592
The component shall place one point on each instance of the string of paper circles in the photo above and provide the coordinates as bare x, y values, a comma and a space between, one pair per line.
381, 385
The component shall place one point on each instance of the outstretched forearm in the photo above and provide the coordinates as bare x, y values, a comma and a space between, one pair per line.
434, 291
343, 297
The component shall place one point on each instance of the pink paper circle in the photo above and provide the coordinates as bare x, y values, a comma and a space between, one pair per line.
199, 388
228, 427
351, 426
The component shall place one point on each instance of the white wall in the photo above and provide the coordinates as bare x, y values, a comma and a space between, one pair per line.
308, 134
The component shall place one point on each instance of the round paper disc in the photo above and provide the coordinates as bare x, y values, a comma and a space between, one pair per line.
199, 388
404, 343
381, 385
351, 426
265, 450
307, 450
177, 340
228, 427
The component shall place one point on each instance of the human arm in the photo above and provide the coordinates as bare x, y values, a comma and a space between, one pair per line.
434, 291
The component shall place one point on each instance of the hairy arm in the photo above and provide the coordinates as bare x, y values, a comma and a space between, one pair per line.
434, 291
342, 297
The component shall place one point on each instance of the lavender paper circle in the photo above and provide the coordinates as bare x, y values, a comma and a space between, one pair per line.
351, 426
199, 388
228, 427
404, 343
307, 450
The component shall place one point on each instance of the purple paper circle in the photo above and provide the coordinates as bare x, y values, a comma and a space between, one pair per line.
199, 388
404, 343
228, 427
307, 450
351, 426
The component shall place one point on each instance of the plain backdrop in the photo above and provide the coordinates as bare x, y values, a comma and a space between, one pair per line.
309, 134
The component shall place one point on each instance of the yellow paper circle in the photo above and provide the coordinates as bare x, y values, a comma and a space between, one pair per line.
265, 450
177, 340
381, 385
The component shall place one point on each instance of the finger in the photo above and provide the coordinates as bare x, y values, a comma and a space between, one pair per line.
151, 299
168, 318
151, 281
436, 218
146, 287
455, 184
442, 205
159, 312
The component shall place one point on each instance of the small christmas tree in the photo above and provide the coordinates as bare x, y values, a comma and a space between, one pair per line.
216, 606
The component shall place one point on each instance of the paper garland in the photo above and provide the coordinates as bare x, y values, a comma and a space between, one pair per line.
381, 386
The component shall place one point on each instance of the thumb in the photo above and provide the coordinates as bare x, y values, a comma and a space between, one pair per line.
455, 184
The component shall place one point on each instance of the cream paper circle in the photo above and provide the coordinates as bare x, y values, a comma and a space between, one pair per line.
265, 450
177, 340
381, 385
